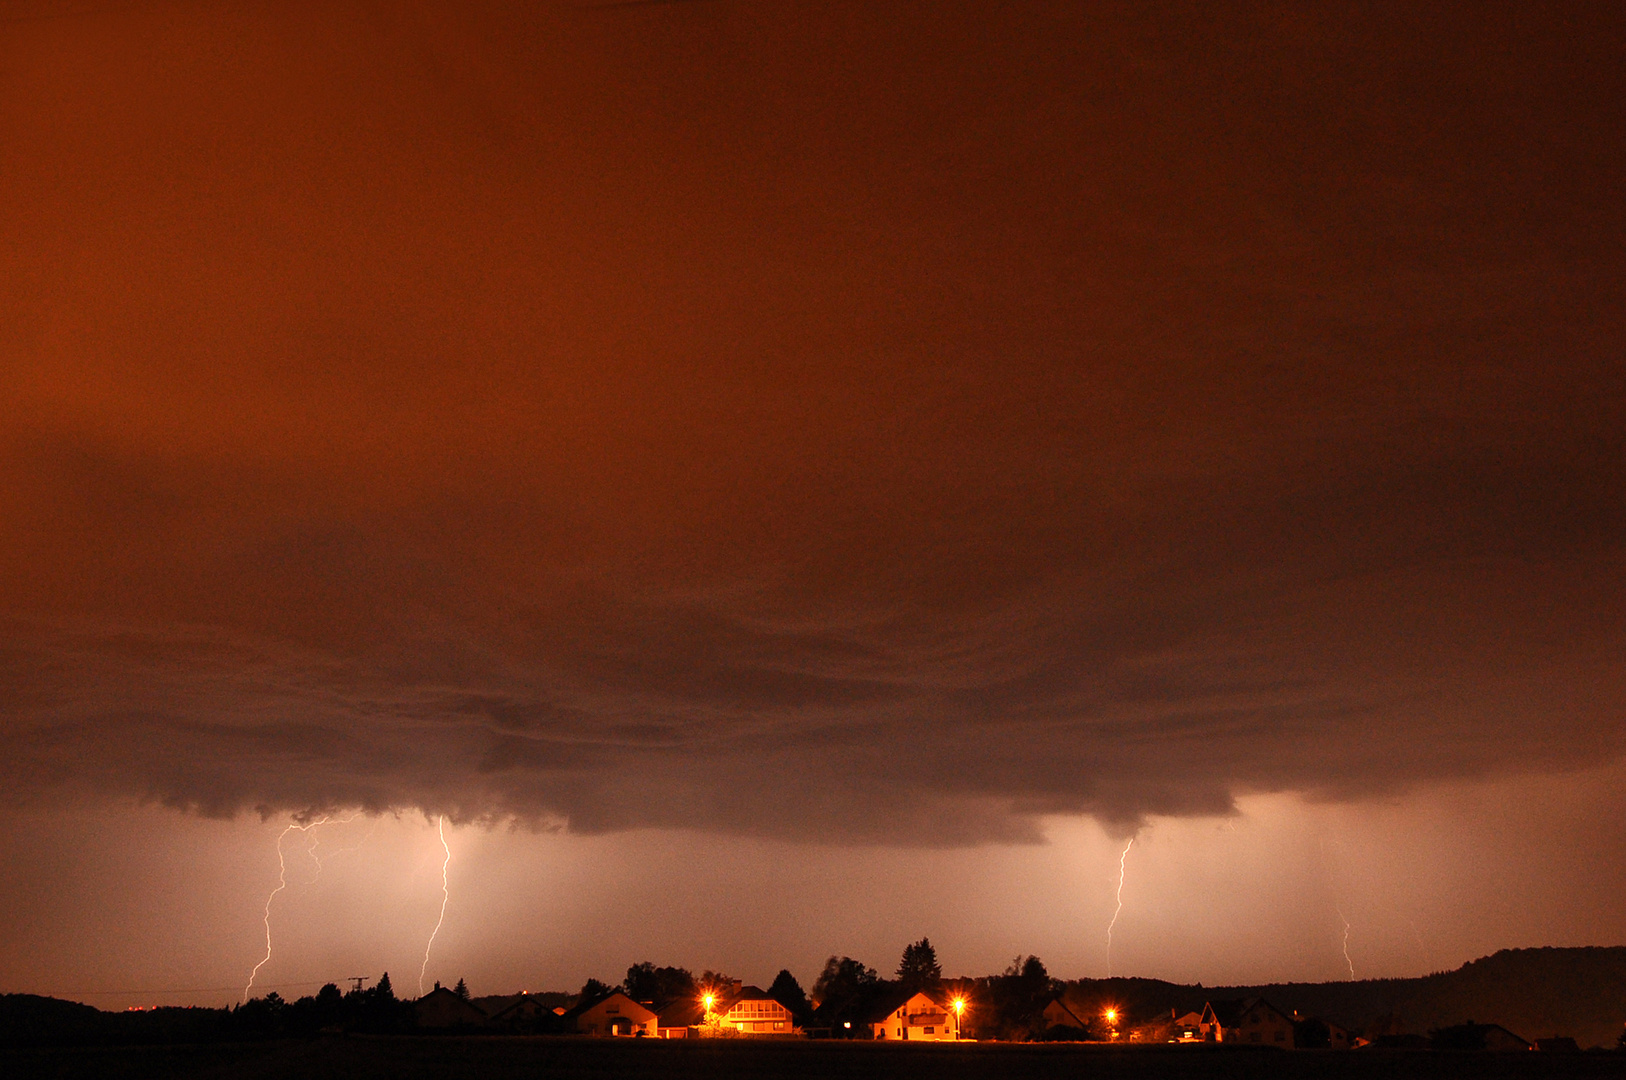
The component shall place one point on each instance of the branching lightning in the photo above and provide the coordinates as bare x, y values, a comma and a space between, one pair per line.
282, 883
445, 895
1121, 866
1347, 960
317, 859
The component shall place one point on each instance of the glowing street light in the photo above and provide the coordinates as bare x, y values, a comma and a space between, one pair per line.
708, 1001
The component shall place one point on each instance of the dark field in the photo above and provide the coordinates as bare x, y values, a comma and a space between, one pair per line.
359, 1058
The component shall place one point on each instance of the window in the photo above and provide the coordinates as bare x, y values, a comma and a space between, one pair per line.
931, 1031
1253, 1036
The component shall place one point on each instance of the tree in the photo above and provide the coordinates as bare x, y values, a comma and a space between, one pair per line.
842, 980
844, 991
919, 969
461, 989
788, 992
1015, 1001
716, 980
646, 982
593, 990
384, 991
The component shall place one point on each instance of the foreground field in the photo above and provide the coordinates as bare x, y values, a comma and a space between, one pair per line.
359, 1058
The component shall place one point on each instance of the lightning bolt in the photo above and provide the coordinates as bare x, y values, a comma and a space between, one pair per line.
445, 895
1347, 960
317, 859
282, 883
1121, 860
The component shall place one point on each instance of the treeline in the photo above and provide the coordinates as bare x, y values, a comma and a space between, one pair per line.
848, 995
30, 1020
1534, 992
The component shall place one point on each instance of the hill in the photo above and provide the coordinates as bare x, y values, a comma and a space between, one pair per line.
1533, 992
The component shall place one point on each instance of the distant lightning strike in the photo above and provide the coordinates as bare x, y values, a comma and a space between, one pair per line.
445, 895
1121, 867
282, 883
1347, 960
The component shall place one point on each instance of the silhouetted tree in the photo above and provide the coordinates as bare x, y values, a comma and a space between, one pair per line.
259, 1018
646, 982
841, 980
378, 1009
716, 980
788, 992
592, 990
461, 989
919, 969
1014, 1002
844, 990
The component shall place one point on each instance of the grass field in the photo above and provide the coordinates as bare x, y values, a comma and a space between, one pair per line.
362, 1058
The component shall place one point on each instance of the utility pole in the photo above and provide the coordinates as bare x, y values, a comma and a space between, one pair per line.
358, 980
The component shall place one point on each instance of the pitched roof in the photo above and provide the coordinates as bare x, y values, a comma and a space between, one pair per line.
684, 1012
886, 1004
583, 1006
1231, 1012
1069, 1017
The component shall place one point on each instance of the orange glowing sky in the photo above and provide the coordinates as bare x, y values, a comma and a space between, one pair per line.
900, 433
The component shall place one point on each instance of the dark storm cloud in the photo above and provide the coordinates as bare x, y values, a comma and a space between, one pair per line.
798, 420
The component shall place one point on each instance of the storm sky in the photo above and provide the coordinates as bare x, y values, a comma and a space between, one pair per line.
796, 476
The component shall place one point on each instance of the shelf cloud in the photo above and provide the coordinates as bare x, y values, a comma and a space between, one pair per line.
789, 421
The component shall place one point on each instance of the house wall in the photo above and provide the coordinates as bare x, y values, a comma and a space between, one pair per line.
446, 1010
759, 1016
1263, 1025
616, 1014
920, 1019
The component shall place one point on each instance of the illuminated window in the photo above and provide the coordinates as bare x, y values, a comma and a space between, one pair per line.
931, 1031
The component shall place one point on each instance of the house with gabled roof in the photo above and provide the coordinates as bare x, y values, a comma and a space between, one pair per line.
1472, 1036
914, 1016
680, 1019
614, 1014
1247, 1020
527, 1015
443, 1010
750, 1010
1059, 1014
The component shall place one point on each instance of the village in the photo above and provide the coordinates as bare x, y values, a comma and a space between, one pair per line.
850, 1001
